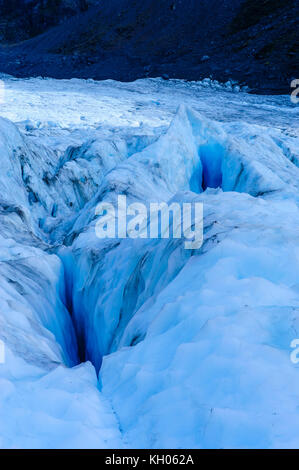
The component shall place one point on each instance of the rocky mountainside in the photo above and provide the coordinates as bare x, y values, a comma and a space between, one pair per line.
24, 19
252, 41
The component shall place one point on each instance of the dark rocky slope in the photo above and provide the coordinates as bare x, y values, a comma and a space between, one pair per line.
252, 41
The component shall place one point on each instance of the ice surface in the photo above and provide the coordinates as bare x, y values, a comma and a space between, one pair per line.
192, 347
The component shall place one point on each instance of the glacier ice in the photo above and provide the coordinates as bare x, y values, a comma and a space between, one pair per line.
191, 348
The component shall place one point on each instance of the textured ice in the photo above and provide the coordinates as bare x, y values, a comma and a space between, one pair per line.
191, 348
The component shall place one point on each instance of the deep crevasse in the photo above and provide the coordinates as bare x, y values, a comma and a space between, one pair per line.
195, 345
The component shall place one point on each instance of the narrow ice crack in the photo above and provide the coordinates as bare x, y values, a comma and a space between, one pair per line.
134, 341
